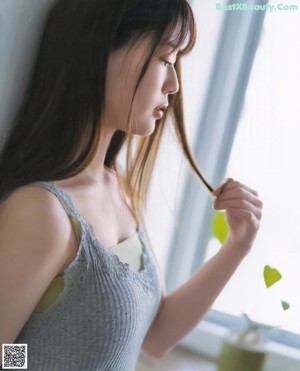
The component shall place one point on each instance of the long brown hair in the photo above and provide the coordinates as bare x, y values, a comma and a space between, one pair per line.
56, 129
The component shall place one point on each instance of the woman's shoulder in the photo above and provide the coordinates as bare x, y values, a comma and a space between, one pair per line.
27, 195
34, 205
32, 196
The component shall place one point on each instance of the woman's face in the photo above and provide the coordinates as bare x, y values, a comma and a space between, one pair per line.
160, 80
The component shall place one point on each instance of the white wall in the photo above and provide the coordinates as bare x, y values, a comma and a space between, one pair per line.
20, 25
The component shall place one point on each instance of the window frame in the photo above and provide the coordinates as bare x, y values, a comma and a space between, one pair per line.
222, 108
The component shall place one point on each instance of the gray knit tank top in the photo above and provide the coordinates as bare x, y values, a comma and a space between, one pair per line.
99, 320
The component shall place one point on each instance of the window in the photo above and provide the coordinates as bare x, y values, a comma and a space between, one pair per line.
247, 128
265, 155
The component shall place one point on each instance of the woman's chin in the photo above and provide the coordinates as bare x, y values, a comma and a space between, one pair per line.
145, 129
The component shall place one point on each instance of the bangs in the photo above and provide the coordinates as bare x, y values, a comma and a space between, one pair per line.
186, 38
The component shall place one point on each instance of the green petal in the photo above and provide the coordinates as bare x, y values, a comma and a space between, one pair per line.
219, 227
285, 305
271, 275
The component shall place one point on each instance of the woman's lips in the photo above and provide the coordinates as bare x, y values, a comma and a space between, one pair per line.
158, 111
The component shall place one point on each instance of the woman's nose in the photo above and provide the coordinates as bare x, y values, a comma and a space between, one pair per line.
171, 85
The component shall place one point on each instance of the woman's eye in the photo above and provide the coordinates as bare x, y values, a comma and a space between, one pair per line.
166, 63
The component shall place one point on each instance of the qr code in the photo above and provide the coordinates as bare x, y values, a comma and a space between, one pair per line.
14, 356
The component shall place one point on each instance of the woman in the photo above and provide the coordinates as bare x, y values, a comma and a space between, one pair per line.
88, 294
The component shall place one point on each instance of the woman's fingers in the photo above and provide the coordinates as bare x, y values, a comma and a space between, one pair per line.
233, 184
241, 204
220, 189
243, 212
237, 195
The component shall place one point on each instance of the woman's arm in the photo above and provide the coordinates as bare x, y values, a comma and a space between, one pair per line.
181, 310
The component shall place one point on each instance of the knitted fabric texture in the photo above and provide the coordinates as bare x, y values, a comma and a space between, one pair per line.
99, 321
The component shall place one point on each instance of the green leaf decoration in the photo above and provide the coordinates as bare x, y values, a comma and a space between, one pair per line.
271, 275
220, 227
285, 305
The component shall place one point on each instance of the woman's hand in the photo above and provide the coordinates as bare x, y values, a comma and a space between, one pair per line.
181, 310
243, 212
